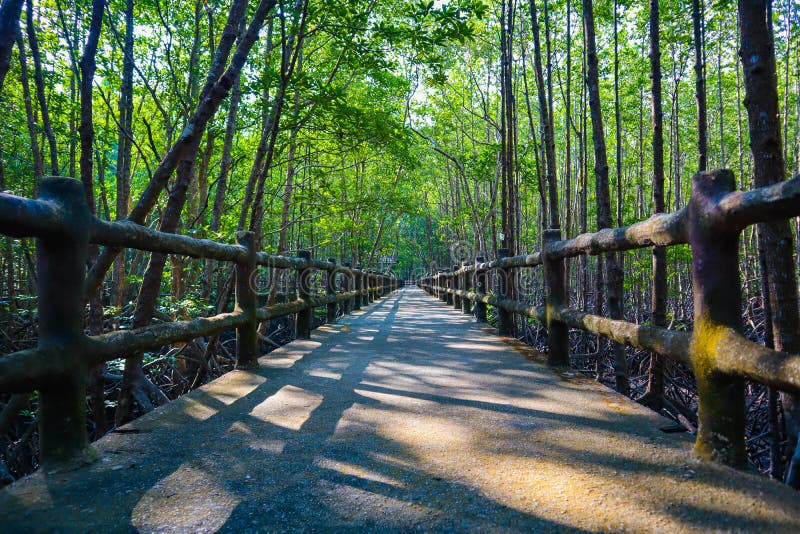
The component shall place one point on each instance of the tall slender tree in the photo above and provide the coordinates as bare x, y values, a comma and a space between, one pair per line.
613, 272
698, 25
775, 239
658, 292
546, 122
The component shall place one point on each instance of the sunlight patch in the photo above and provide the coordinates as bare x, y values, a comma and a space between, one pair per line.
289, 408
196, 409
356, 471
357, 506
181, 500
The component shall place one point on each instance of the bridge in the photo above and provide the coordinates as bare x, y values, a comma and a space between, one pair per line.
406, 413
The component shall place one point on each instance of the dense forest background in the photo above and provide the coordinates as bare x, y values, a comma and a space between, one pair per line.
403, 134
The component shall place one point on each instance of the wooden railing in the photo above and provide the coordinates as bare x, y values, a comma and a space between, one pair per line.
58, 367
715, 349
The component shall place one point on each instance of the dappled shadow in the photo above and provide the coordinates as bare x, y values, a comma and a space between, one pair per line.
407, 416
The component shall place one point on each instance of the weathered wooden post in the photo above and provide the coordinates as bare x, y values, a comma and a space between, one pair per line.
456, 286
555, 298
305, 316
464, 284
717, 308
246, 302
480, 288
330, 290
359, 283
371, 285
347, 286
448, 284
61, 263
505, 319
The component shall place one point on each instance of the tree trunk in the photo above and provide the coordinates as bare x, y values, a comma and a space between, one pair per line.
10, 11
700, 86
135, 385
658, 293
218, 82
38, 79
88, 65
548, 135
775, 239
124, 148
613, 273
38, 166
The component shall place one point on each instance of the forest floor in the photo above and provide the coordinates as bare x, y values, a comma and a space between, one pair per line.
406, 416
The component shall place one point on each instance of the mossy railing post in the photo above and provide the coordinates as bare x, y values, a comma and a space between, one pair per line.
330, 290
450, 279
304, 317
505, 319
555, 298
347, 286
359, 287
456, 286
464, 283
717, 309
246, 302
61, 264
371, 285
480, 288
442, 284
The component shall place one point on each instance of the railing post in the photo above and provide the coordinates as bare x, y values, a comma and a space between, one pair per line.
359, 286
480, 288
449, 285
717, 307
61, 264
464, 284
347, 286
246, 302
304, 317
505, 319
443, 285
555, 298
456, 286
371, 286
330, 289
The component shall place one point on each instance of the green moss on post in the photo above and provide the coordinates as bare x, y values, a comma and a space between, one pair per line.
717, 305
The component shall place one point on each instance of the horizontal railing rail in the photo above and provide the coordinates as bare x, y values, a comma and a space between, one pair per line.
58, 367
716, 349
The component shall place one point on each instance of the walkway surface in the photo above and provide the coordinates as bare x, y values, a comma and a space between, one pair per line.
408, 416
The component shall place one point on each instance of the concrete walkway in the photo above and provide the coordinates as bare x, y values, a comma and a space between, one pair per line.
408, 416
